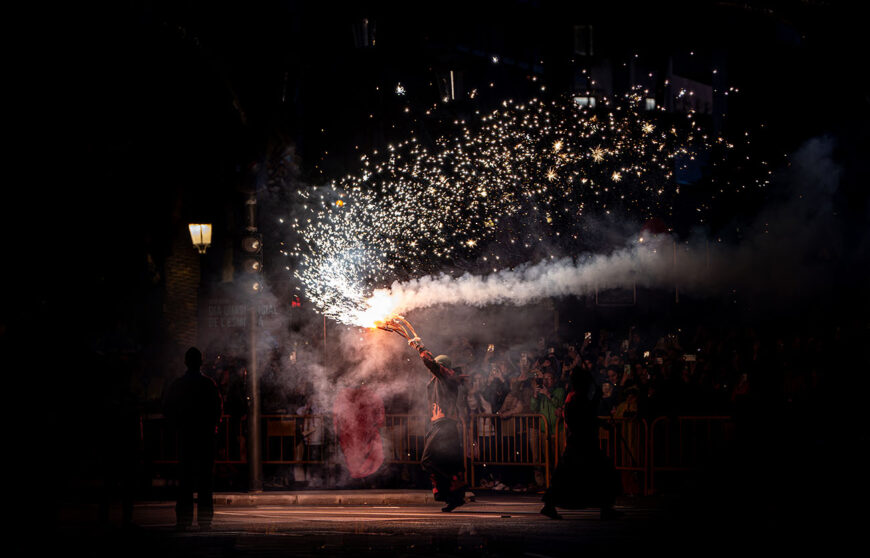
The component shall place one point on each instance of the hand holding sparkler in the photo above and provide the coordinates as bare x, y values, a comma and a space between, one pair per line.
398, 324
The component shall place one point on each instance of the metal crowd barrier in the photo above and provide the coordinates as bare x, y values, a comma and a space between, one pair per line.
518, 440
626, 442
640, 451
232, 437
404, 437
295, 439
289, 439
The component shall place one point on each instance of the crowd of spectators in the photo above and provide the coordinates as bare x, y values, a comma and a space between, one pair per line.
704, 371
729, 371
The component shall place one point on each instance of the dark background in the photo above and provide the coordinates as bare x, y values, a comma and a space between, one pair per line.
148, 114
138, 116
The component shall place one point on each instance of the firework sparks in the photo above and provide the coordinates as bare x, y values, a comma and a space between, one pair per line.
413, 209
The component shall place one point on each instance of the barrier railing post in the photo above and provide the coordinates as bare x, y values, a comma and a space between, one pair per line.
546, 453
463, 430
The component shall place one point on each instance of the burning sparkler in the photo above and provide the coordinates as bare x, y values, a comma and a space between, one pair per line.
397, 324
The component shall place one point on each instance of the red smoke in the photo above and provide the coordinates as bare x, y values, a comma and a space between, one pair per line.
359, 413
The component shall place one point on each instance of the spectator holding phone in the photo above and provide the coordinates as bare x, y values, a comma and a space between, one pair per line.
548, 400
497, 387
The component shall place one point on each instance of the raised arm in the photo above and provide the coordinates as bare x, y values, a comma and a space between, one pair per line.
436, 368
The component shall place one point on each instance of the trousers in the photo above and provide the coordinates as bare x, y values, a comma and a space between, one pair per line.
443, 460
196, 475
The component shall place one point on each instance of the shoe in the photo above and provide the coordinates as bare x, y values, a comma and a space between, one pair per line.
610, 513
550, 511
453, 504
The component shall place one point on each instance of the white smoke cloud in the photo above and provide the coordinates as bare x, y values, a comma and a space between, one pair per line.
786, 253
644, 263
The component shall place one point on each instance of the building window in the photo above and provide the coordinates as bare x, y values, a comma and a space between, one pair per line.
650, 103
585, 101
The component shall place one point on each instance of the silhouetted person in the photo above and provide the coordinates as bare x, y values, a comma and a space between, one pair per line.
584, 477
194, 407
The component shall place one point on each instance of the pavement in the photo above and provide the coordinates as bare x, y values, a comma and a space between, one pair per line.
378, 522
392, 497
399, 497
352, 523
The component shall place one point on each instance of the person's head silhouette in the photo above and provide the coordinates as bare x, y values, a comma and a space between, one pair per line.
193, 359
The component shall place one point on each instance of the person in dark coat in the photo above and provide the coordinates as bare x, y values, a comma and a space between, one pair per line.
585, 476
442, 450
194, 407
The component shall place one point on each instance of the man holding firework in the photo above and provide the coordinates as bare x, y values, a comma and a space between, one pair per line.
442, 450
443, 457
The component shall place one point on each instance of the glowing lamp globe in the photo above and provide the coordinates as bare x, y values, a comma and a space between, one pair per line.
200, 235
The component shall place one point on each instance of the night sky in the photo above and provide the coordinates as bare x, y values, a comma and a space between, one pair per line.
149, 109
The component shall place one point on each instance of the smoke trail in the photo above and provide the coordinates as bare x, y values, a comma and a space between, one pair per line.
787, 252
643, 263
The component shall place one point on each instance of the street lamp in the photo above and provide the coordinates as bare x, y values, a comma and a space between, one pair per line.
200, 235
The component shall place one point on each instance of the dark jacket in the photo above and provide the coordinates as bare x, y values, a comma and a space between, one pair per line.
442, 390
193, 405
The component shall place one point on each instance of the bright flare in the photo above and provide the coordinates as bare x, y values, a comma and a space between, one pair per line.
380, 307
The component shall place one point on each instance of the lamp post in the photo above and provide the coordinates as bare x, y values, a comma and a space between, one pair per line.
253, 266
200, 235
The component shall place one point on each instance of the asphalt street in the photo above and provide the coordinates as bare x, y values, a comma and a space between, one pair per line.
491, 525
